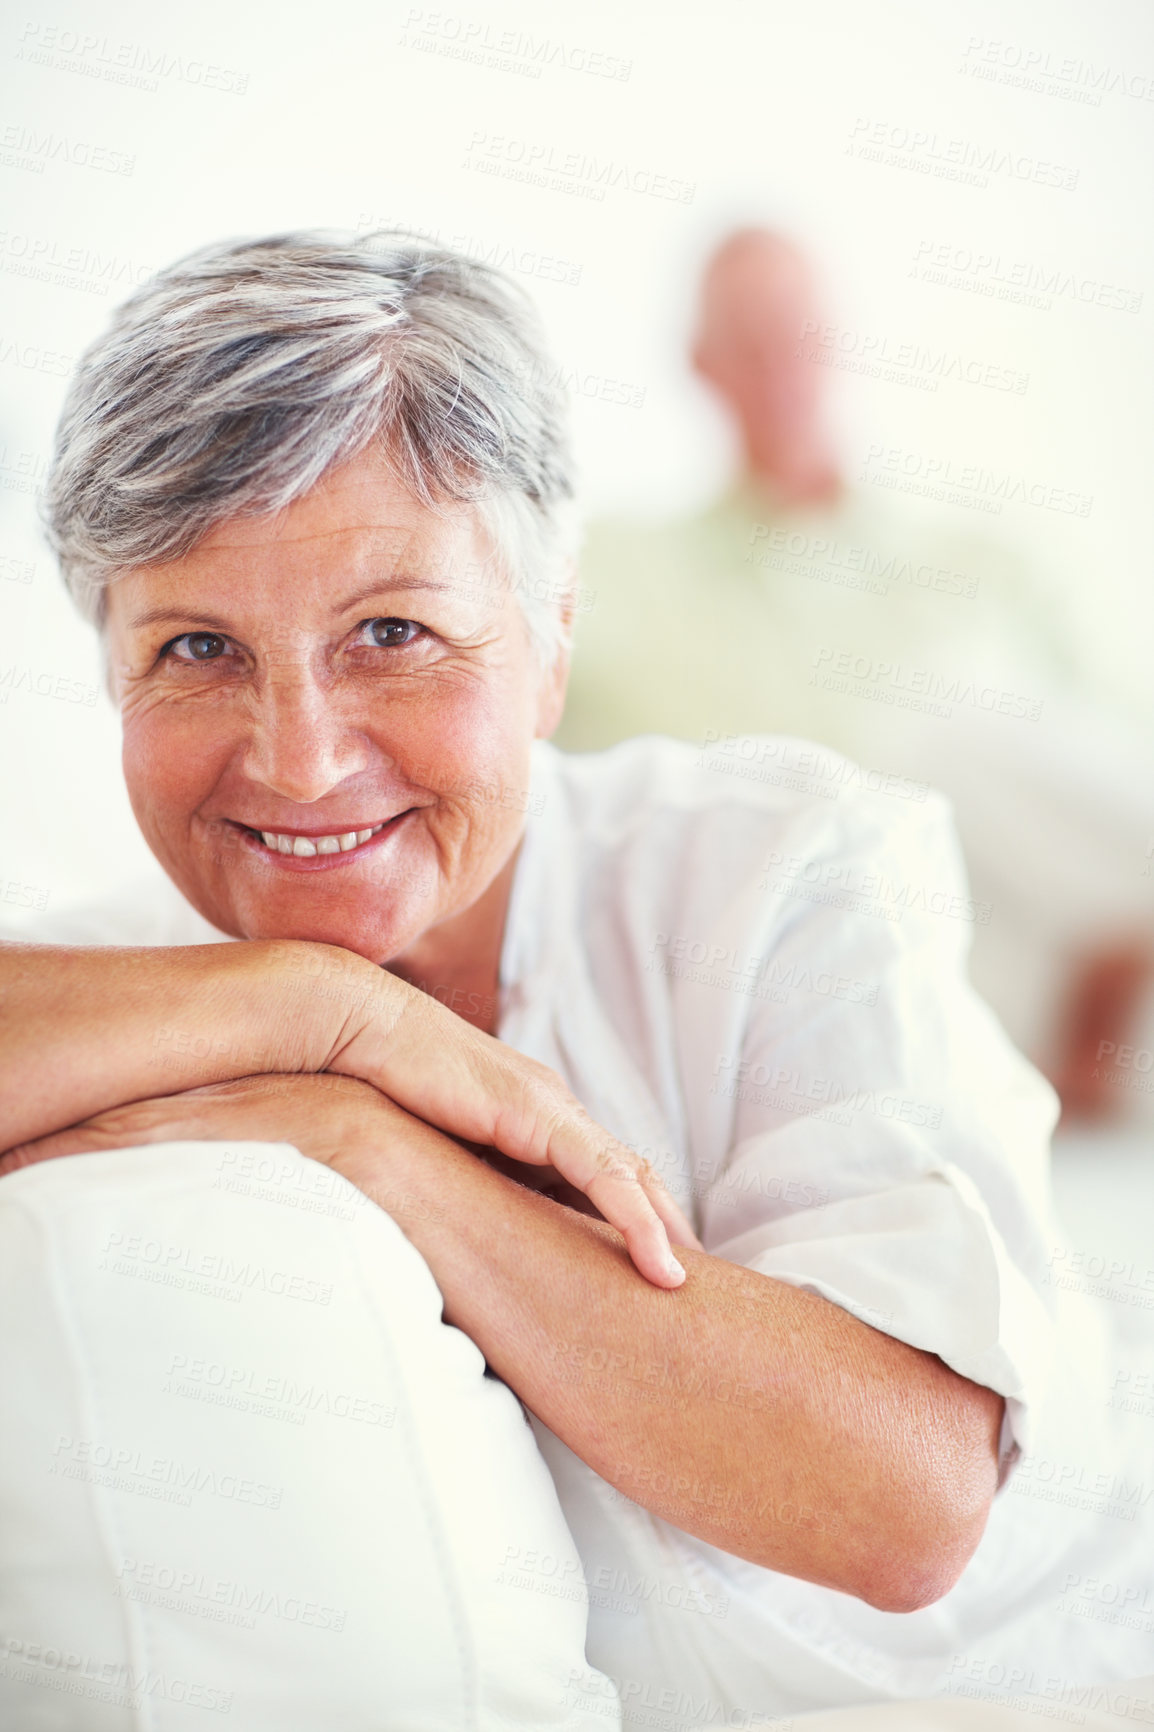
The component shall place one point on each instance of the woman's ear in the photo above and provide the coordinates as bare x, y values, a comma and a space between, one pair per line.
111, 684
555, 675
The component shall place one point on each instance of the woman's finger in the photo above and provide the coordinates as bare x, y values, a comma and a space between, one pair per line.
618, 1193
677, 1223
623, 1163
477, 1089
623, 1187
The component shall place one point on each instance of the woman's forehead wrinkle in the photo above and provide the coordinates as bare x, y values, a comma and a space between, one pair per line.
388, 540
438, 555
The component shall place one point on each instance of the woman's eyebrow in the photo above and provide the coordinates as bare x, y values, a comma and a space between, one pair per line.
212, 622
173, 616
383, 585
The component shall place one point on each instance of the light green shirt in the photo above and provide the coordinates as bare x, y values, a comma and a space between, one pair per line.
850, 624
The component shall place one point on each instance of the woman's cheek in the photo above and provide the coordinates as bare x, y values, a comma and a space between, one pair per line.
465, 743
169, 756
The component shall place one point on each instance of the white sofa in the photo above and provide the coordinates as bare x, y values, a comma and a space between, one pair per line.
247, 1474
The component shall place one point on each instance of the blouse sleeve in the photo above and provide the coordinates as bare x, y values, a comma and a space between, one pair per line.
889, 1148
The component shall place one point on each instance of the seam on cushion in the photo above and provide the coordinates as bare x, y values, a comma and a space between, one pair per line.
135, 1624
454, 1592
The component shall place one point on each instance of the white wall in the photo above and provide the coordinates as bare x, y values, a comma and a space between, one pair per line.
226, 119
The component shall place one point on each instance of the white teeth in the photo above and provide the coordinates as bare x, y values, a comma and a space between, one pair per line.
305, 847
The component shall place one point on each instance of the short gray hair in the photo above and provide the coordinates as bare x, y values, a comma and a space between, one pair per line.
238, 377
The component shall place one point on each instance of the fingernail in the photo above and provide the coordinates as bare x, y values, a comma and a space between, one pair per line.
674, 1269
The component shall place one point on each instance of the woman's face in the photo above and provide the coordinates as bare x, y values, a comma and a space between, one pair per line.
328, 713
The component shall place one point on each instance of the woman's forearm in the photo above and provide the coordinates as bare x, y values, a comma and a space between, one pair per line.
757, 1416
85, 1029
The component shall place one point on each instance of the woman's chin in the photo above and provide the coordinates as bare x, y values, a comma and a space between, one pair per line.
363, 918
373, 938
374, 932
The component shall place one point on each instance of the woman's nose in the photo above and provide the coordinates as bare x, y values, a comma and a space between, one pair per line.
302, 745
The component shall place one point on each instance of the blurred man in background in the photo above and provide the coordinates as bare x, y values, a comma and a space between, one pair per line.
799, 605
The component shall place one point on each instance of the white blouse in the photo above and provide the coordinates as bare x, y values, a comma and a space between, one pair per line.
750, 965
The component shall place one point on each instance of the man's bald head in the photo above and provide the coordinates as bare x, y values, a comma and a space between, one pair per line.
754, 278
757, 296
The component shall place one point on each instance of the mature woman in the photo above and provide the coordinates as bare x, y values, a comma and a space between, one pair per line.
555, 1015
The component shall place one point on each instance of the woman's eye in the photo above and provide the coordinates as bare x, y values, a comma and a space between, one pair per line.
391, 633
198, 646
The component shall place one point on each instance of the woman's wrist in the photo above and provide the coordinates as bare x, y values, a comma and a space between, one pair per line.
316, 1002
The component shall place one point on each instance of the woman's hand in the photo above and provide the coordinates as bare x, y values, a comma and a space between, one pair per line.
479, 1090
342, 1123
323, 1116
334, 1119
83, 1031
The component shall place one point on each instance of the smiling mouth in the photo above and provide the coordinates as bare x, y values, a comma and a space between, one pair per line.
304, 847
300, 847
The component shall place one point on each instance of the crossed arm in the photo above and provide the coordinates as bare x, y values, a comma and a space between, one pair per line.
754, 1415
